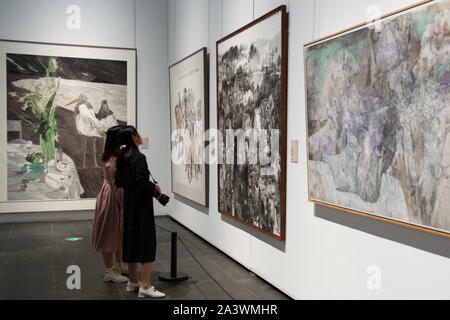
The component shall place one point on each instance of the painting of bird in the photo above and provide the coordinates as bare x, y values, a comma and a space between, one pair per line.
92, 97
87, 125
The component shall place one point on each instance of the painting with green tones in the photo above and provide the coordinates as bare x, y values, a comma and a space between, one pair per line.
378, 116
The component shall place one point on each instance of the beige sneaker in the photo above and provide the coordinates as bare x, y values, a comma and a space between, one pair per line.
115, 277
121, 268
152, 293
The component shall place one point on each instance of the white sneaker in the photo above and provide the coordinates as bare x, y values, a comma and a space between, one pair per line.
115, 277
152, 293
131, 287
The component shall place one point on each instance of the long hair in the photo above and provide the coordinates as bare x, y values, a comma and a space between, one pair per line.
112, 146
126, 143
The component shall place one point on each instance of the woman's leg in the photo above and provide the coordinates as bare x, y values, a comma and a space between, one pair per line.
146, 270
146, 289
110, 274
118, 255
119, 252
108, 259
132, 267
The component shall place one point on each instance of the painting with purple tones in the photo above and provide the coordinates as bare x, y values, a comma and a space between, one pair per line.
378, 115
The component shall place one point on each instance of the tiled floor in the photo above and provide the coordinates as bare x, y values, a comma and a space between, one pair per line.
34, 258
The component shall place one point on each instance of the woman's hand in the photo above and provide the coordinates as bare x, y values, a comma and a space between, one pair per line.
158, 192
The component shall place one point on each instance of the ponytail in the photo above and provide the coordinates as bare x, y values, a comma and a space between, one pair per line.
126, 143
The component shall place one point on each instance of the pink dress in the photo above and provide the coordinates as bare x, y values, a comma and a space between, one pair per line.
107, 227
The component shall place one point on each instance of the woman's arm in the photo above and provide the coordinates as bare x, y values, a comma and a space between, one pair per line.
143, 175
118, 178
118, 191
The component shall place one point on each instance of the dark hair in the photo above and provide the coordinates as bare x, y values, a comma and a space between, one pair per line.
125, 136
126, 143
112, 147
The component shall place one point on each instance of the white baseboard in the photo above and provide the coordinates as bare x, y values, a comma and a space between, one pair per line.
46, 216
52, 216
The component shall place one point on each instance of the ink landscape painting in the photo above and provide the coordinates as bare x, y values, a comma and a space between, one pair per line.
250, 93
378, 112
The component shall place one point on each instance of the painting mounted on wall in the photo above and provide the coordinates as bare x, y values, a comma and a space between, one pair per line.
59, 103
378, 116
189, 105
251, 112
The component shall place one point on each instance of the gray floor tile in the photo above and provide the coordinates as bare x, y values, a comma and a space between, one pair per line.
212, 290
5, 233
227, 282
38, 255
262, 290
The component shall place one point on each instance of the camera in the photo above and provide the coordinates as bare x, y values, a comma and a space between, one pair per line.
164, 199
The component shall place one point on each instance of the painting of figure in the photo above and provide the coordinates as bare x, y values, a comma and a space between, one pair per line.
251, 106
188, 114
378, 113
58, 110
189, 104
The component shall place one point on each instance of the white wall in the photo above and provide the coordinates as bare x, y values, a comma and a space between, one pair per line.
140, 24
326, 253
103, 22
153, 88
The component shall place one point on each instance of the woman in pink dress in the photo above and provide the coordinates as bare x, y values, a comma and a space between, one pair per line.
107, 227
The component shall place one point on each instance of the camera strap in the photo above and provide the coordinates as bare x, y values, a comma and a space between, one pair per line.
151, 176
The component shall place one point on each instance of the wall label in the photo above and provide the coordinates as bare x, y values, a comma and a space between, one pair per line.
145, 144
294, 151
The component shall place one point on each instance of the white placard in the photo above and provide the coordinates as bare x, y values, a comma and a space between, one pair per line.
294, 151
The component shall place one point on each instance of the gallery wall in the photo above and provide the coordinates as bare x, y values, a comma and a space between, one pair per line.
327, 254
153, 89
140, 24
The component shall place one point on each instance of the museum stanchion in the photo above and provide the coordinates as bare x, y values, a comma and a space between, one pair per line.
173, 275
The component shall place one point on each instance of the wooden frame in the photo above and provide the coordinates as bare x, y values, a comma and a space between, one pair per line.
68, 51
283, 118
205, 64
337, 207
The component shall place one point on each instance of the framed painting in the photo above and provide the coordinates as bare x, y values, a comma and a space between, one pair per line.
251, 115
378, 115
57, 102
189, 114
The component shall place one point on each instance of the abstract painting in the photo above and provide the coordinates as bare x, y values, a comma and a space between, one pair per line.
58, 109
251, 108
189, 119
378, 115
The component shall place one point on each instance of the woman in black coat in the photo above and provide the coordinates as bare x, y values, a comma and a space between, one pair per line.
139, 234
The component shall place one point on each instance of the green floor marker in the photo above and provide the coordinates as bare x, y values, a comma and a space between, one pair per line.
74, 239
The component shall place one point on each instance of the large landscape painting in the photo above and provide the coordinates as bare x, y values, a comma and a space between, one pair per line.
251, 96
378, 111
57, 113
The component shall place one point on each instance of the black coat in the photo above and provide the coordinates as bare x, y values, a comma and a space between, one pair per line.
139, 234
